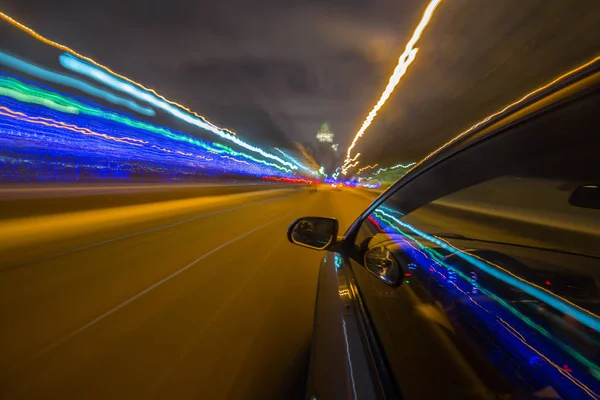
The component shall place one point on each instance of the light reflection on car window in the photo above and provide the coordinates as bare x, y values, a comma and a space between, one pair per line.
516, 267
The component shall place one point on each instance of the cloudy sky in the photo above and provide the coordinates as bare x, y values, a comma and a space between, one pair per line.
274, 70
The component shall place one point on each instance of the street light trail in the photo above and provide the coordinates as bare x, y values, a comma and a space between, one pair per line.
406, 58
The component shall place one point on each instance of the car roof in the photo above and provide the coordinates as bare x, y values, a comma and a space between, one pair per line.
569, 85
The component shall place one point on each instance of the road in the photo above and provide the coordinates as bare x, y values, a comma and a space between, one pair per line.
208, 300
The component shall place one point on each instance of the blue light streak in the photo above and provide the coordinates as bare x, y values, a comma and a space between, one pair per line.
585, 317
74, 64
49, 76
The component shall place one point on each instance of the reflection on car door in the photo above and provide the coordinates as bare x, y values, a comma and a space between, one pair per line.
499, 296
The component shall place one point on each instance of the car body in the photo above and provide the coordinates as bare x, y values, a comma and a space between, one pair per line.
477, 274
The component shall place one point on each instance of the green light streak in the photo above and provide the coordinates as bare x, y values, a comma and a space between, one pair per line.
438, 257
7, 88
32, 94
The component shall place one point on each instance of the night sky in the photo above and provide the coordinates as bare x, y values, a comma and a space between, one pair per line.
274, 70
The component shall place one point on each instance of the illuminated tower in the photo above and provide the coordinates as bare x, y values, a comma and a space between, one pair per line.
325, 135
326, 150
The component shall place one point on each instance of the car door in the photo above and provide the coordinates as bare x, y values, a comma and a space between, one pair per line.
480, 273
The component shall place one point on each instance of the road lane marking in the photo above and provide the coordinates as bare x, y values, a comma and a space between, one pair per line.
150, 230
224, 306
137, 296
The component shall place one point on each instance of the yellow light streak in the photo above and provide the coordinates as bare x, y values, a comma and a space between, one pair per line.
62, 47
346, 166
404, 61
345, 170
508, 107
367, 167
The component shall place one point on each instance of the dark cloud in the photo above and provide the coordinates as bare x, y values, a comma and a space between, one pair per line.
274, 70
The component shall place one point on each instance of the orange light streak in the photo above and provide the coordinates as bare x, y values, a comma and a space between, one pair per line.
508, 107
404, 61
57, 124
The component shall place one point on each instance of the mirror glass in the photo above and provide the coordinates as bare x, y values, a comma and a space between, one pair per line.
316, 233
380, 261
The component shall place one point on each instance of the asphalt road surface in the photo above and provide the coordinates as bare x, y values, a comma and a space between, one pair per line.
199, 298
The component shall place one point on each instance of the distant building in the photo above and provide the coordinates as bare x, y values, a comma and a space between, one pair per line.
325, 135
326, 151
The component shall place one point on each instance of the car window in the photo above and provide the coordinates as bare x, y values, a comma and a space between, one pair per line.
499, 286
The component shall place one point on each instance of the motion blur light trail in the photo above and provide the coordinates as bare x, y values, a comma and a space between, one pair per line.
76, 65
380, 170
288, 180
4, 91
296, 162
404, 61
59, 46
126, 85
19, 89
49, 76
49, 136
490, 117
512, 105
592, 321
365, 168
46, 135
502, 314
61, 125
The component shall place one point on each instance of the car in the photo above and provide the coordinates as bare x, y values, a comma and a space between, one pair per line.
477, 274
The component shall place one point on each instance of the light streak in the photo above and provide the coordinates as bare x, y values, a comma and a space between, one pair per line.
405, 59
175, 109
309, 159
26, 98
57, 124
439, 259
41, 73
62, 47
34, 145
76, 65
347, 165
365, 168
582, 315
236, 160
345, 170
511, 105
380, 170
288, 180
44, 97
296, 162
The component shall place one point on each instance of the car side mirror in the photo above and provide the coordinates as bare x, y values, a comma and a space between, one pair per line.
380, 260
586, 196
318, 233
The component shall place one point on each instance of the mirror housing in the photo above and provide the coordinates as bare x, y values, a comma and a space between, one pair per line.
586, 196
317, 233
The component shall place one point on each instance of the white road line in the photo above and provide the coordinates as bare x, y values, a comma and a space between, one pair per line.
224, 306
137, 296
89, 246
